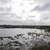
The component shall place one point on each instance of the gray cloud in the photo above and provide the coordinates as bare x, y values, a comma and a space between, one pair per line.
42, 8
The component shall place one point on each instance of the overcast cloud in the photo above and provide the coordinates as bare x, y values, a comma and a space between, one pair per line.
25, 12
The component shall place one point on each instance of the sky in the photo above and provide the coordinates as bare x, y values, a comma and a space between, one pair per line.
25, 12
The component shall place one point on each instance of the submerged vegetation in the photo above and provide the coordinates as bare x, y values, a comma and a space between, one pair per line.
36, 40
41, 48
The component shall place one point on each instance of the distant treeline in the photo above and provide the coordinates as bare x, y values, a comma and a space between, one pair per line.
47, 28
25, 26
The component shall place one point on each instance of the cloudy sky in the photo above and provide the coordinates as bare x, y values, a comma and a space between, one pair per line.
25, 12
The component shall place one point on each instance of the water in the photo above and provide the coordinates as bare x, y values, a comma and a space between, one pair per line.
14, 31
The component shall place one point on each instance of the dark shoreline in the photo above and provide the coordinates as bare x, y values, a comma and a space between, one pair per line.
25, 26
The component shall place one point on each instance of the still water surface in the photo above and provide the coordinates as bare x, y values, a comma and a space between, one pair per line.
14, 31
